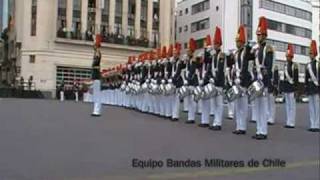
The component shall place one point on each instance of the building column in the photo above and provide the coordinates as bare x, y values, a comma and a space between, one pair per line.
125, 4
69, 17
112, 11
165, 23
150, 21
98, 16
84, 18
137, 20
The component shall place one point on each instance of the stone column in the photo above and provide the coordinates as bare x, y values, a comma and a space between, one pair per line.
150, 21
84, 18
137, 20
166, 19
112, 8
69, 17
125, 5
98, 16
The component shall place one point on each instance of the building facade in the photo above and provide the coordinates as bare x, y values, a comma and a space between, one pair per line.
288, 23
316, 21
56, 35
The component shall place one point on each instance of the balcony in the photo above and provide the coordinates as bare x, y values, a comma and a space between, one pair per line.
107, 38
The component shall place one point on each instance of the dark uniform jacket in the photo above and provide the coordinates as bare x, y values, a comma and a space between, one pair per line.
285, 85
192, 76
219, 64
311, 88
265, 57
96, 67
245, 76
207, 67
177, 79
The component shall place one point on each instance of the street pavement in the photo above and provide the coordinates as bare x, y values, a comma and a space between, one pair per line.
51, 140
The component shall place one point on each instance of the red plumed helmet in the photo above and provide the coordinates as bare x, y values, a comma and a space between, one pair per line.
313, 48
217, 37
241, 36
290, 51
263, 26
177, 47
170, 51
192, 45
164, 52
208, 41
98, 40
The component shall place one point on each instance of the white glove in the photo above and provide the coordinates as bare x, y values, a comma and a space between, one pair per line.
185, 82
237, 81
201, 82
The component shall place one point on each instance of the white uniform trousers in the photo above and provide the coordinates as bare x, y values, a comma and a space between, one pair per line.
218, 114
185, 103
157, 104
96, 97
205, 115
262, 113
290, 109
199, 106
230, 109
162, 105
176, 106
192, 105
168, 106
254, 115
61, 95
314, 111
241, 112
271, 108
76, 94
212, 108
144, 107
152, 104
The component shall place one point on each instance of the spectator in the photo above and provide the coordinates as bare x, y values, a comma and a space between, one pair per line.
30, 83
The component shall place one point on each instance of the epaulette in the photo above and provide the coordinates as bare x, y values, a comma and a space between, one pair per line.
269, 48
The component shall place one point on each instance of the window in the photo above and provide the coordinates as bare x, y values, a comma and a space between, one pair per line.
180, 13
185, 28
185, 45
289, 29
282, 46
69, 75
199, 7
180, 29
34, 18
200, 25
32, 59
200, 43
285, 9
186, 11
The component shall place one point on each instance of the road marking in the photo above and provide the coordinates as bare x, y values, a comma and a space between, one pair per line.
227, 172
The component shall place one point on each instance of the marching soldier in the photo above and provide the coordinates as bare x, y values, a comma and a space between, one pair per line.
96, 77
161, 80
76, 90
289, 83
206, 76
312, 82
243, 79
264, 64
218, 72
61, 89
192, 80
177, 80
168, 78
